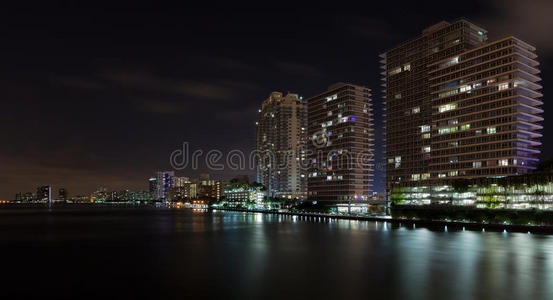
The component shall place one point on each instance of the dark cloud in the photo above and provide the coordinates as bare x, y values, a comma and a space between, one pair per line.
75, 82
222, 62
163, 107
373, 29
214, 90
299, 69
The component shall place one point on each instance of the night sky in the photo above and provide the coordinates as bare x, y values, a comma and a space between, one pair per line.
101, 96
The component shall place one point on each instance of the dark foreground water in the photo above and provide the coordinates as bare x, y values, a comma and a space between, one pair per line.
181, 254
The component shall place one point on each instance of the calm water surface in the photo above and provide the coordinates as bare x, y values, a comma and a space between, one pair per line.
181, 254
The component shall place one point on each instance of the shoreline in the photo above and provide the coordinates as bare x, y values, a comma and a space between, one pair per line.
447, 225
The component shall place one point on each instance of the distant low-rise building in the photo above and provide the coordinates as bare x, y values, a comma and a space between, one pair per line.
244, 196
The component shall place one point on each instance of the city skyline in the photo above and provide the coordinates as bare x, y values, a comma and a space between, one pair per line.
93, 109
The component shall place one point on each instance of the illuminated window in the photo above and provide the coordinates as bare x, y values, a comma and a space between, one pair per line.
426, 135
395, 71
407, 67
425, 128
447, 130
491, 130
397, 96
329, 113
447, 107
503, 162
477, 164
450, 62
503, 86
425, 176
333, 97
416, 110
452, 122
426, 149
452, 173
465, 88
415, 177
465, 126
448, 93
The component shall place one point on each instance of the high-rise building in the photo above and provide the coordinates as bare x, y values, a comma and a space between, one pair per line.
194, 190
62, 194
341, 148
152, 186
458, 106
209, 190
28, 197
163, 184
44, 193
281, 141
180, 188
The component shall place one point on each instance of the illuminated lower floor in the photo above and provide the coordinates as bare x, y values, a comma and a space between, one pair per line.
518, 192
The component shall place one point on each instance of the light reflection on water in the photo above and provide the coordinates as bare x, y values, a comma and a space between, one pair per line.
253, 255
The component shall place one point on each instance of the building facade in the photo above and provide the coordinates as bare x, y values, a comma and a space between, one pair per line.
152, 186
244, 196
281, 141
340, 158
62, 194
44, 193
180, 189
458, 106
163, 184
209, 190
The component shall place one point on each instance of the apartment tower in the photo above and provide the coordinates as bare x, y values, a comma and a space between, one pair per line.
281, 139
458, 106
163, 184
340, 156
